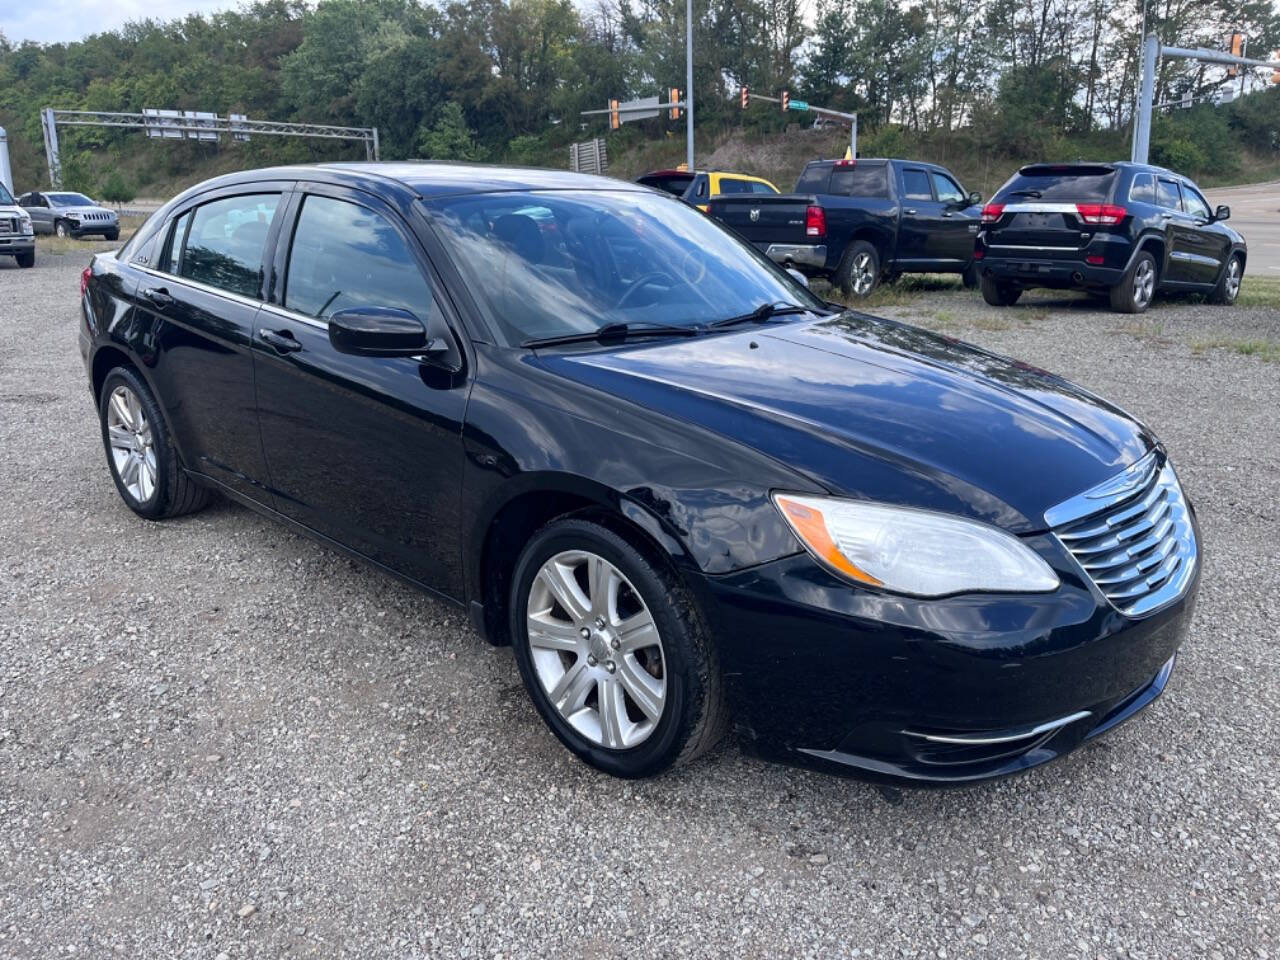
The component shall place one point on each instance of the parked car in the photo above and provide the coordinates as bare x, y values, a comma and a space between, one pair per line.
856, 222
1125, 231
682, 486
16, 239
699, 187
69, 215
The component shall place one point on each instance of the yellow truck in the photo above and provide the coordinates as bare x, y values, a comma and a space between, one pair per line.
699, 186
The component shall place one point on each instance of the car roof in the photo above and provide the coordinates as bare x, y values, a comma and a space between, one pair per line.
428, 179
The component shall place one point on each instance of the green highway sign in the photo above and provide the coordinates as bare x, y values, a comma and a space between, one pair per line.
799, 104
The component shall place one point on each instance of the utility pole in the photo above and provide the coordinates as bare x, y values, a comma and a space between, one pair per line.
688, 83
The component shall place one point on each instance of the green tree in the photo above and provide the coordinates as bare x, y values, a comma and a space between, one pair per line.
449, 138
116, 189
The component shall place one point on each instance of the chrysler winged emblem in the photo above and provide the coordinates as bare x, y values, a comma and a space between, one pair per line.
754, 214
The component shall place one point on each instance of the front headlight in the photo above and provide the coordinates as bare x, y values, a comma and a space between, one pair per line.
917, 552
26, 227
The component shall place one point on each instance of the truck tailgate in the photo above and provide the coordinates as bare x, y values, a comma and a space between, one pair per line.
765, 219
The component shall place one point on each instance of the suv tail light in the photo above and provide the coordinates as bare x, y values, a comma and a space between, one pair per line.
815, 222
85, 274
1101, 213
992, 212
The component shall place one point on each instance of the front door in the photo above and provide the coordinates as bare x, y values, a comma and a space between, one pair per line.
1207, 242
203, 294
365, 450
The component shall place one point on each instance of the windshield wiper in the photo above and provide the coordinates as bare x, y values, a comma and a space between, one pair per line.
760, 314
616, 333
1035, 194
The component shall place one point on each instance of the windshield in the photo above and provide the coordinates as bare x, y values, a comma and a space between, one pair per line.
6, 198
69, 199
555, 263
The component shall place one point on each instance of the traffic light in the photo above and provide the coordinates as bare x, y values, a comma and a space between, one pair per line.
746, 97
1237, 50
675, 98
786, 101
615, 119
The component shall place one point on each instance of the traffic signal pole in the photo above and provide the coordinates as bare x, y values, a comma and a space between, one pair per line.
788, 103
688, 83
1152, 51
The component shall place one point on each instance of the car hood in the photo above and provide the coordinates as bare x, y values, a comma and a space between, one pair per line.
879, 410
83, 209
10, 210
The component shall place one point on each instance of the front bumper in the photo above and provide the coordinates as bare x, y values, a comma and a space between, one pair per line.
91, 227
821, 673
16, 245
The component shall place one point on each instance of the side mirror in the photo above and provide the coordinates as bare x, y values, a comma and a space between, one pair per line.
381, 332
798, 277
1222, 213
974, 198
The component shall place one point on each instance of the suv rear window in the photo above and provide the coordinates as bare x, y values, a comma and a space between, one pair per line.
1061, 182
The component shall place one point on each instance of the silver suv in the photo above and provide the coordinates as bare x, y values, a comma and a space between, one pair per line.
16, 238
69, 214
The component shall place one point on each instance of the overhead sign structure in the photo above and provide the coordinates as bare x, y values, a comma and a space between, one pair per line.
190, 124
786, 103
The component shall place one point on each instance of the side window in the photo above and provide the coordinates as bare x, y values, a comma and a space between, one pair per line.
1167, 194
171, 262
1143, 189
757, 187
344, 256
915, 185
946, 188
1196, 204
225, 243
700, 190
734, 185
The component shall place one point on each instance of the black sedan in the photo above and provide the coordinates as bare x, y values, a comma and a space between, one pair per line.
690, 493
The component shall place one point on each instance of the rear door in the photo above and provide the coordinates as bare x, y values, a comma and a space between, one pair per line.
202, 297
952, 241
365, 450
921, 218
1181, 241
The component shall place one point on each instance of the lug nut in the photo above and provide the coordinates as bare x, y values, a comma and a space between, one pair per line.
610, 666
599, 623
591, 660
585, 633
615, 643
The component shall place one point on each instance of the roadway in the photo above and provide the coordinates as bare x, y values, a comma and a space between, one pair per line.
1255, 212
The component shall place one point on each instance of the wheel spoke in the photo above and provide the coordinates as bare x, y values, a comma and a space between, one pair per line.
637, 632
129, 475
120, 438
613, 712
547, 633
602, 581
645, 691
572, 689
560, 581
121, 406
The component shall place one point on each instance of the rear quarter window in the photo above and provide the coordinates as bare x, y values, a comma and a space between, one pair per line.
1071, 183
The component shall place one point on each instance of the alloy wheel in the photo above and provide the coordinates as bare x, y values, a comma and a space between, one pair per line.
129, 435
1144, 283
1233, 279
863, 276
596, 650
62, 229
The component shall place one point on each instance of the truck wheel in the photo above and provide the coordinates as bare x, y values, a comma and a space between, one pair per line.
26, 259
999, 294
971, 276
1228, 287
859, 272
1137, 288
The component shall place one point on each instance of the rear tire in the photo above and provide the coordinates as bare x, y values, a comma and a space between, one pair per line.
26, 259
670, 656
859, 272
1136, 290
140, 454
1228, 287
999, 294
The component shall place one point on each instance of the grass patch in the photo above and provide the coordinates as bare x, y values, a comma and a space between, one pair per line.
1259, 292
60, 246
1268, 351
1146, 329
991, 322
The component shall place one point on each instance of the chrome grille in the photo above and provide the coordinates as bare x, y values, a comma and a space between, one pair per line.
1132, 535
8, 225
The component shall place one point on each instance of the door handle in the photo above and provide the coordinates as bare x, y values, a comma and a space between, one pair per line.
948, 214
282, 341
910, 213
157, 296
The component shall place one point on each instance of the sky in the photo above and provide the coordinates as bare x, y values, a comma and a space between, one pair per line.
53, 21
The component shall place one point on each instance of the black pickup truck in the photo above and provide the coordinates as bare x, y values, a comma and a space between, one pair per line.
857, 222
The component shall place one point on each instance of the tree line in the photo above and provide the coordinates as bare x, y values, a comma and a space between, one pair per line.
506, 79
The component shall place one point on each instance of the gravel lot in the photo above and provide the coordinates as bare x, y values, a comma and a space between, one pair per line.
220, 740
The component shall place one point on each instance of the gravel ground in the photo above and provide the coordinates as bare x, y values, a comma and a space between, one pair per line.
220, 740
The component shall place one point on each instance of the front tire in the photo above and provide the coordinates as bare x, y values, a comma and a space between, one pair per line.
1136, 290
1228, 287
859, 271
999, 294
140, 454
26, 260
62, 229
112, 236
612, 652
